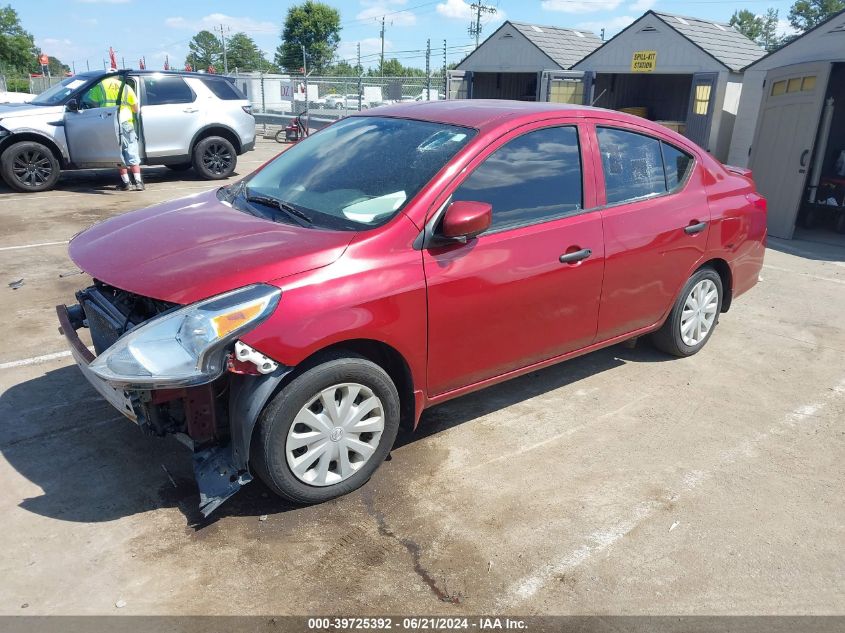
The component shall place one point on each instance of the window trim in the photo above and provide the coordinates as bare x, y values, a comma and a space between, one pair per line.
465, 174
681, 186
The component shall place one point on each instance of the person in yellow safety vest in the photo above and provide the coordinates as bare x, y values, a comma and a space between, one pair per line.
106, 94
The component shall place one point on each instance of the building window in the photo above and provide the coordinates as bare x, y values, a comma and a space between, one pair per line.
702, 99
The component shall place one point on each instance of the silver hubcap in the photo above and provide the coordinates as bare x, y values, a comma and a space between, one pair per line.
334, 434
699, 312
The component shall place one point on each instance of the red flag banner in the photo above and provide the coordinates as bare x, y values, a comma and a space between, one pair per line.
112, 58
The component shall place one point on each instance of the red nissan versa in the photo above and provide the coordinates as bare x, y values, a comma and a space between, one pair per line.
286, 324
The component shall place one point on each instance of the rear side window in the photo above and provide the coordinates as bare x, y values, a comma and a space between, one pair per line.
533, 178
167, 89
633, 165
677, 164
223, 89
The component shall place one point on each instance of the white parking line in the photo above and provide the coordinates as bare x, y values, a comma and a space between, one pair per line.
15, 248
34, 360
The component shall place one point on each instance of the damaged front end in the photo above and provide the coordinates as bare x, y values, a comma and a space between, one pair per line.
180, 370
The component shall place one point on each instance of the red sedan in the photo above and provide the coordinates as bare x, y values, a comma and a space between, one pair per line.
287, 324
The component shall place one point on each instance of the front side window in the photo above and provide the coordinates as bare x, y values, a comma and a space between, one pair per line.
109, 92
632, 163
533, 178
166, 89
356, 173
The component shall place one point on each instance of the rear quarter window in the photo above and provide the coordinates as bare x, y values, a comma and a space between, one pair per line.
678, 165
167, 89
223, 89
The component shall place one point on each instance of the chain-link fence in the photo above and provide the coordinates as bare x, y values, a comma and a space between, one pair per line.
333, 97
32, 85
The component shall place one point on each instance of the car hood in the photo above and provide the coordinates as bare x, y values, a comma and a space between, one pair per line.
14, 110
189, 249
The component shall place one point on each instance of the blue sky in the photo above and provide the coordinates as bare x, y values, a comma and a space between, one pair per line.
81, 31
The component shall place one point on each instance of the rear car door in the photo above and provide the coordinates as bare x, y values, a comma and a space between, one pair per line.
92, 130
170, 115
506, 300
656, 221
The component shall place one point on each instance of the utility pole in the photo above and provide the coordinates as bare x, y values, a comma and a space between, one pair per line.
602, 35
475, 27
305, 75
381, 59
445, 81
223, 30
358, 70
428, 70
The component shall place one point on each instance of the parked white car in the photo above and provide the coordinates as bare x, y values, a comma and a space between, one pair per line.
346, 102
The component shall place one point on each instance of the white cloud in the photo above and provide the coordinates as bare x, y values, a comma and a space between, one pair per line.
611, 26
62, 49
392, 11
460, 10
248, 25
785, 28
642, 5
575, 6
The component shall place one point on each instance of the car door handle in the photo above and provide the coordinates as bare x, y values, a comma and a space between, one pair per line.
692, 229
576, 256
190, 110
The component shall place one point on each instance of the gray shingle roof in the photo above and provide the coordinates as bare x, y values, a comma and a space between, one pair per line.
564, 46
719, 39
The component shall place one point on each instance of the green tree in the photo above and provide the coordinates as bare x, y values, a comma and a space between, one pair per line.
805, 14
243, 54
343, 68
205, 50
56, 67
760, 28
17, 46
314, 25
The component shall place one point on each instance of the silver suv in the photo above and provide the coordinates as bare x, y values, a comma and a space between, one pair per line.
186, 120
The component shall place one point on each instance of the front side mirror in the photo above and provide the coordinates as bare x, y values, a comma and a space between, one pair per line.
465, 219
72, 105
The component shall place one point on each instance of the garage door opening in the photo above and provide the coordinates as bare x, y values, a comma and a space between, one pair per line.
681, 102
822, 212
518, 86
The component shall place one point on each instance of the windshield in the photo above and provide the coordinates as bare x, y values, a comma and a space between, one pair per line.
56, 94
359, 172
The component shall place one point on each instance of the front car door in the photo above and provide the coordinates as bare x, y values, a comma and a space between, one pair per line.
92, 130
505, 300
656, 221
170, 115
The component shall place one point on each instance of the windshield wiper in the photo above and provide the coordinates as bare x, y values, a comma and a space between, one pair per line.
281, 206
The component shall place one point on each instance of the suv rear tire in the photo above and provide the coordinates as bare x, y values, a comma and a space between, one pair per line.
215, 158
30, 167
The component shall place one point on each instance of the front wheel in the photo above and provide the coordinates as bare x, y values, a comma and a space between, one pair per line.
215, 158
694, 315
30, 167
327, 432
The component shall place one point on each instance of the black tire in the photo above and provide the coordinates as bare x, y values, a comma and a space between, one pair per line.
668, 338
268, 453
215, 158
180, 167
30, 167
281, 136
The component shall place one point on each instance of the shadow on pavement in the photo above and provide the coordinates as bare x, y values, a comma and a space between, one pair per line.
93, 465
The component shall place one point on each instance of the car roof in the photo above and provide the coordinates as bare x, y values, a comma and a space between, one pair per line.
179, 73
487, 115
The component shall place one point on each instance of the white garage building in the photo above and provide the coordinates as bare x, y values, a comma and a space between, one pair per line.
684, 72
790, 129
525, 62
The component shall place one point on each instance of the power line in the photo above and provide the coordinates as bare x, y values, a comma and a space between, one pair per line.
475, 27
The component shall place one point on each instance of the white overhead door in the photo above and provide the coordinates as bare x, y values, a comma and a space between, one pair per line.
783, 142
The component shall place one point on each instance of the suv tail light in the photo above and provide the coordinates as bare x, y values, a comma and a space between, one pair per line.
757, 201
247, 108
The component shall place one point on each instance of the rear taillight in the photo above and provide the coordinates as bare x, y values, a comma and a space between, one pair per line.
757, 201
247, 109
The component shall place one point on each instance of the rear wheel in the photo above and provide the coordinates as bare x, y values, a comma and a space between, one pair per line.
327, 432
30, 167
694, 315
215, 158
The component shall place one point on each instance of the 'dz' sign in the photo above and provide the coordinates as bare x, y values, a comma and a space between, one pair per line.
643, 61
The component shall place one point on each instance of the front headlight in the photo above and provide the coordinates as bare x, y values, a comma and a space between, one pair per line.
185, 347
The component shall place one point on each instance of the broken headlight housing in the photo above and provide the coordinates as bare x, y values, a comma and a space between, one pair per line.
185, 347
